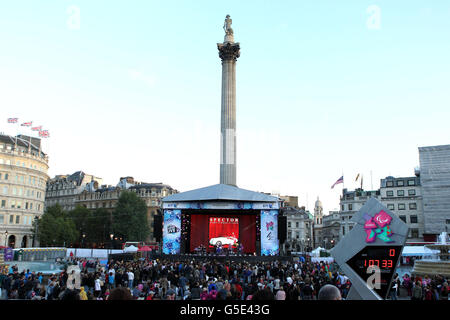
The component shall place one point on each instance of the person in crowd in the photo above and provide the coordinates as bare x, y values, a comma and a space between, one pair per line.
329, 292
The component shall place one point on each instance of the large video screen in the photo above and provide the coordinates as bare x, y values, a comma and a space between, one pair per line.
223, 231
171, 231
269, 232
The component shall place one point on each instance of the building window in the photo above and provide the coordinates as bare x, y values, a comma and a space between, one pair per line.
389, 183
350, 207
391, 206
289, 224
411, 182
11, 219
401, 206
343, 207
3, 203
390, 193
413, 206
17, 219
296, 224
414, 233
343, 231
13, 204
5, 190
411, 192
400, 193
26, 205
413, 219
403, 218
1, 219
400, 183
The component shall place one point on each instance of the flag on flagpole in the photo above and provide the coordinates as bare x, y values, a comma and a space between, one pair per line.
13, 120
36, 128
44, 134
340, 180
27, 124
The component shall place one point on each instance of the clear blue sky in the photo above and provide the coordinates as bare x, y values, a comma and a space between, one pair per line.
134, 89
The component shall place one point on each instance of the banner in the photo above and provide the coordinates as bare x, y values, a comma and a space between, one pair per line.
171, 231
223, 231
269, 232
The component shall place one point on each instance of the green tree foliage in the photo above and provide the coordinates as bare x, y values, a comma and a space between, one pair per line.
130, 218
94, 224
56, 228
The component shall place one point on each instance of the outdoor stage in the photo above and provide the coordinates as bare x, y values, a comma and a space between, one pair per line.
219, 219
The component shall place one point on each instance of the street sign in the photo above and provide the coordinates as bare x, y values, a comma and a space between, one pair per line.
370, 252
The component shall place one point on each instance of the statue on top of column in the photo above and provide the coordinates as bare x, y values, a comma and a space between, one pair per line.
228, 30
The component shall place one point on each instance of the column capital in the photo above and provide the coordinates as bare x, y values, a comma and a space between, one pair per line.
229, 51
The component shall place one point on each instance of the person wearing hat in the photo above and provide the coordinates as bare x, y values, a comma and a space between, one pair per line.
170, 295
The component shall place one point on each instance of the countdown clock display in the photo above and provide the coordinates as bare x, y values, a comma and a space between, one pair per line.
368, 255
384, 257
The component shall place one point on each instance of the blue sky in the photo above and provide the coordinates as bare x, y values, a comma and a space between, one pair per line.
134, 89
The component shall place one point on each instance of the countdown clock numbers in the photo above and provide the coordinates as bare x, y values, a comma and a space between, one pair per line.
384, 257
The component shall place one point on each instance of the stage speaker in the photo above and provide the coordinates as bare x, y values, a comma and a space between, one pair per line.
282, 228
157, 227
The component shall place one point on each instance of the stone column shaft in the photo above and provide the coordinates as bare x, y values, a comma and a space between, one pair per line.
228, 52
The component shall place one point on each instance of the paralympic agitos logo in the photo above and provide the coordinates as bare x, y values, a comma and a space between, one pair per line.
378, 227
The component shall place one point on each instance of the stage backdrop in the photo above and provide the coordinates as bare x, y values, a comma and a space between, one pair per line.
223, 230
171, 231
269, 232
245, 230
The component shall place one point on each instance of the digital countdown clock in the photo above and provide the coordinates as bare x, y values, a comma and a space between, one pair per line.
383, 257
368, 255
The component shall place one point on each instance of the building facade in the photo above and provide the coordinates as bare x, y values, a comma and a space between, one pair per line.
299, 229
350, 203
107, 197
23, 177
403, 196
317, 224
435, 179
63, 189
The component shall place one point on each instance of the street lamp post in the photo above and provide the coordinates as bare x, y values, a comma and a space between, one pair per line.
6, 238
82, 243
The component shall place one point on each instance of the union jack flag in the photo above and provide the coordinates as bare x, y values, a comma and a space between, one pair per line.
13, 120
27, 124
36, 128
44, 134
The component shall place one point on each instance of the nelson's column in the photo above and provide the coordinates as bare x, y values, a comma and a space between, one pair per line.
229, 52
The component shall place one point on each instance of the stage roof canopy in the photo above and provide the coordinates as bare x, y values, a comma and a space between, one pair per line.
220, 192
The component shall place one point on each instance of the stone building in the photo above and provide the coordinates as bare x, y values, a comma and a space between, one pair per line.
330, 233
107, 196
63, 189
350, 203
299, 228
403, 196
435, 179
23, 177
317, 224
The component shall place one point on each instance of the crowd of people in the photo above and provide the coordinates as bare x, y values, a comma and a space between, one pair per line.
145, 279
192, 279
420, 288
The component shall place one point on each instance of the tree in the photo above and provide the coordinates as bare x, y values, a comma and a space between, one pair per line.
56, 228
129, 219
94, 224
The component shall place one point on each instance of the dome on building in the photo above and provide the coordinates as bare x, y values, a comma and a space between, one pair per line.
318, 203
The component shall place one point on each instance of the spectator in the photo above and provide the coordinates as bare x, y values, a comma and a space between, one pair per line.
329, 292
